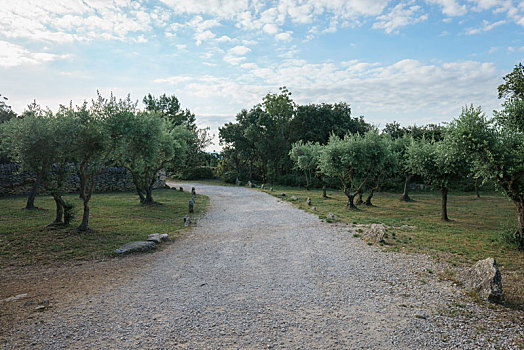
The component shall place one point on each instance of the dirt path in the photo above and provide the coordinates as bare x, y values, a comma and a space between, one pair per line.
258, 273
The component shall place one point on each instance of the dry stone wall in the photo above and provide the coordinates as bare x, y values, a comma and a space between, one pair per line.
14, 182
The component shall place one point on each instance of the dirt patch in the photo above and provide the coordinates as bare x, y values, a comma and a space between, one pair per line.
54, 286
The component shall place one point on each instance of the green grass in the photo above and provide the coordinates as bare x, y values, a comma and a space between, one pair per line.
471, 235
115, 219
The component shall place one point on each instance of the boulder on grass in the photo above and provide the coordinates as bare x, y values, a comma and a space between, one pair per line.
485, 279
164, 237
138, 246
294, 198
375, 234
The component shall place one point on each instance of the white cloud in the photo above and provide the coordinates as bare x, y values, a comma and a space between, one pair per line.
224, 38
450, 7
174, 80
234, 60
486, 26
219, 8
283, 36
407, 86
12, 55
270, 28
203, 36
64, 21
401, 15
239, 50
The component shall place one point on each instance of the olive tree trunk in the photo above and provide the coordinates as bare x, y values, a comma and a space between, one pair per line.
405, 195
351, 197
84, 225
444, 192
368, 200
59, 208
324, 194
86, 191
34, 191
359, 198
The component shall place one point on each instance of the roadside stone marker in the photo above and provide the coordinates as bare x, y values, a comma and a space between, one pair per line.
485, 279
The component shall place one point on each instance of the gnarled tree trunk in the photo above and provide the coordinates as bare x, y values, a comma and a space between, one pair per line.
351, 196
84, 225
34, 191
324, 194
88, 185
405, 196
444, 192
359, 198
149, 196
368, 200
59, 208
477, 187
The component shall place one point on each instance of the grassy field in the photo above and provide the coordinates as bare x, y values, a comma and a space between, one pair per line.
472, 234
115, 219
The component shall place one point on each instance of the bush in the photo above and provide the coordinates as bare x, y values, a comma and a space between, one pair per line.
506, 234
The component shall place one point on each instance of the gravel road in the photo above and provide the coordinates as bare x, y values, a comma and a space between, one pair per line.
257, 273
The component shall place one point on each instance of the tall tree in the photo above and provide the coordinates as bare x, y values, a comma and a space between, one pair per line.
169, 108
513, 86
316, 122
6, 113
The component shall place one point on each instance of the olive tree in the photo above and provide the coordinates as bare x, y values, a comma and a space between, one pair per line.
399, 148
352, 159
147, 145
306, 158
30, 142
438, 163
96, 133
499, 148
383, 169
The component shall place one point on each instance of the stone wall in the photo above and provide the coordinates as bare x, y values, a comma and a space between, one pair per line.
14, 182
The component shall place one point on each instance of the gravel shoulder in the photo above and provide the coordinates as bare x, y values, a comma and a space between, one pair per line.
257, 273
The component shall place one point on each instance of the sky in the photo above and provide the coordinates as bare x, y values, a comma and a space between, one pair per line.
414, 62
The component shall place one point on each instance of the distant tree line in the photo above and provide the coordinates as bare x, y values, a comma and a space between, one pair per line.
90, 138
276, 141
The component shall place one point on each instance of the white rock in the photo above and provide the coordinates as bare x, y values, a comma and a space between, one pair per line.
154, 237
138, 246
485, 279
375, 234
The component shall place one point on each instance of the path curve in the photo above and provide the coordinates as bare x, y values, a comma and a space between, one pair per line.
257, 273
